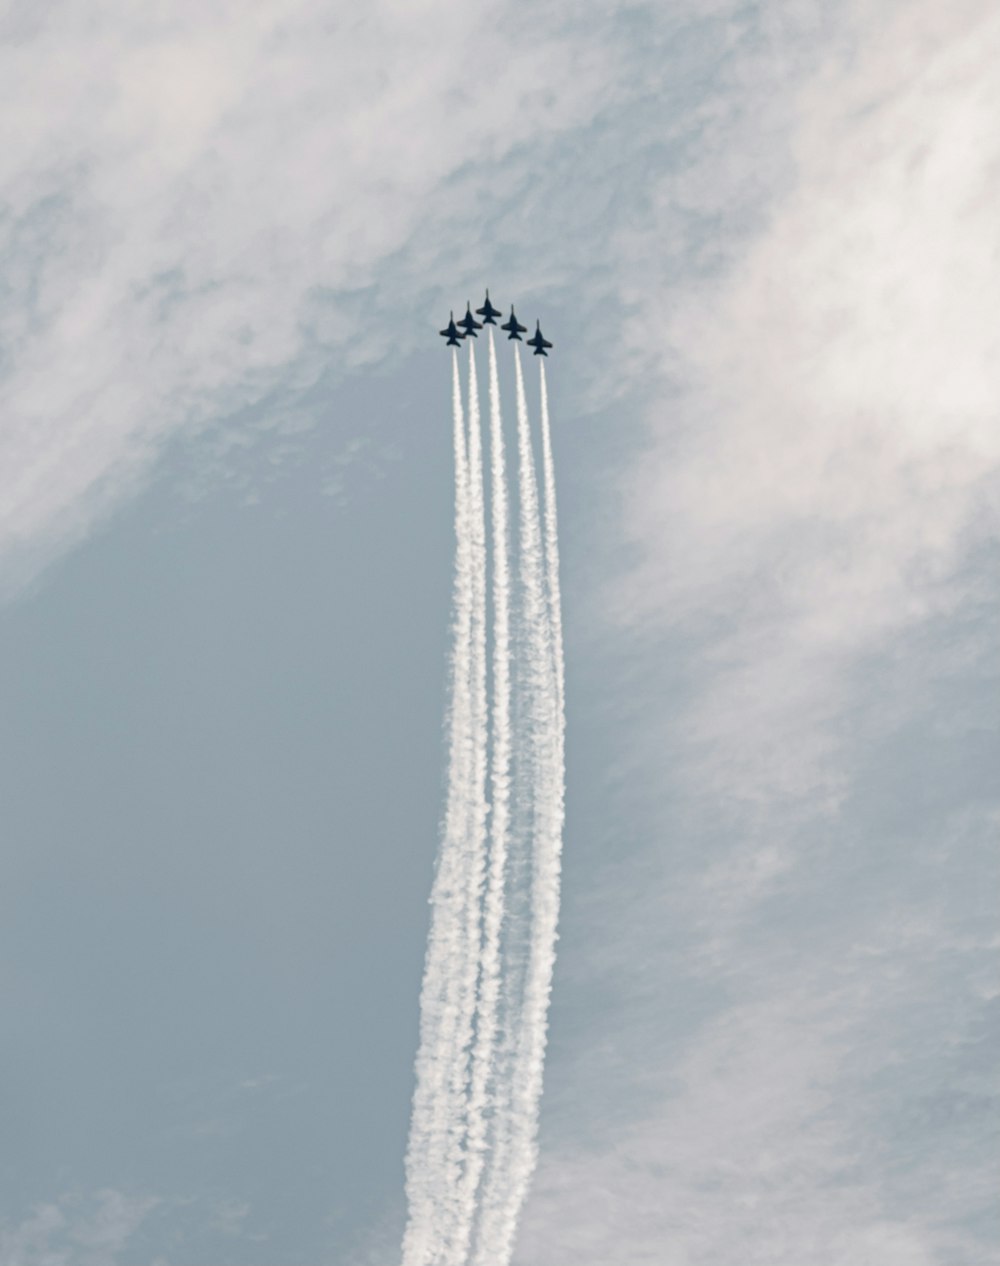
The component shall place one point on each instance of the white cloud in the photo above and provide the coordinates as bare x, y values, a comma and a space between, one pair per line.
201, 203
230, 1216
755, 1153
803, 960
197, 203
834, 454
811, 1082
76, 1231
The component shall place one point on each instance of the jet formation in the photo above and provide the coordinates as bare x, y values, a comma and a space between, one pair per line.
466, 327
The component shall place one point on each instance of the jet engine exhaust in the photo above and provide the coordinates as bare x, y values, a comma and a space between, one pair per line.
495, 896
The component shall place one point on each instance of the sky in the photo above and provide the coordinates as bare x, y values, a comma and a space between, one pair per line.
763, 239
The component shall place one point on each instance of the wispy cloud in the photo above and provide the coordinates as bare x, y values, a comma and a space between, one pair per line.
206, 203
809, 1081
76, 1231
804, 964
830, 461
201, 208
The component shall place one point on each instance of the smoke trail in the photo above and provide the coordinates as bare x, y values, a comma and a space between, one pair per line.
552, 581
431, 1164
550, 734
550, 814
491, 951
539, 788
482, 1095
454, 1224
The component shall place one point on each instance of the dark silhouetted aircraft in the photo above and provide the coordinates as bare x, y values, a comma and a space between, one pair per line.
469, 323
488, 312
515, 328
537, 342
451, 332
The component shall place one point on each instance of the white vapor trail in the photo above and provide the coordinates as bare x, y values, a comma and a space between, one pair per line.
547, 859
482, 1097
539, 738
552, 585
495, 898
468, 966
431, 1163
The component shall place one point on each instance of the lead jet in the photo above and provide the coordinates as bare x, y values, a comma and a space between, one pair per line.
488, 312
451, 332
537, 342
514, 326
469, 323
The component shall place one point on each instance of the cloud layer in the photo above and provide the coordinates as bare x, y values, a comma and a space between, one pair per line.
807, 971
198, 206
781, 990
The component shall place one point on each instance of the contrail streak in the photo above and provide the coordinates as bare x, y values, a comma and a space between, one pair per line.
431, 1165
552, 578
468, 966
547, 867
546, 870
514, 1150
482, 1096
495, 897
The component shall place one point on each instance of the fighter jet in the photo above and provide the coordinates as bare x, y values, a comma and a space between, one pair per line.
514, 326
488, 312
451, 332
469, 323
537, 342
